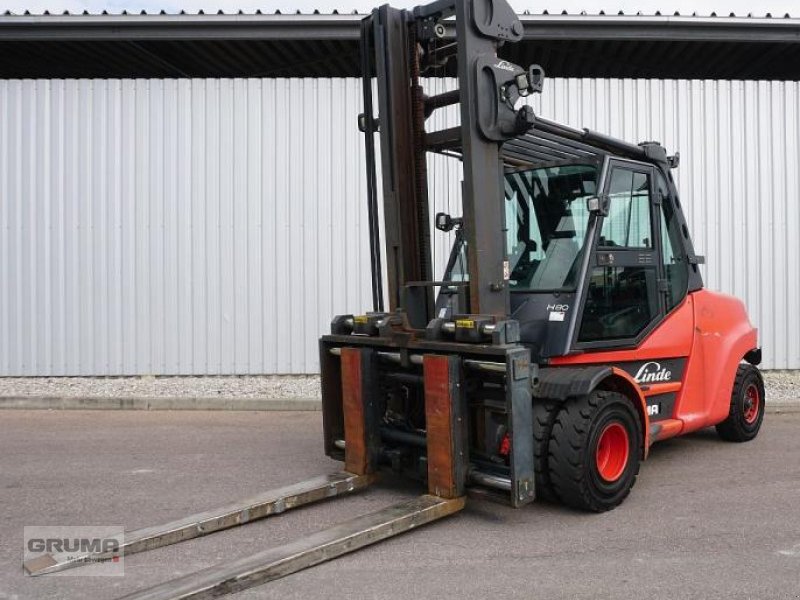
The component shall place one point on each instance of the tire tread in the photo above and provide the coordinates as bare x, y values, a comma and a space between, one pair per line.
544, 414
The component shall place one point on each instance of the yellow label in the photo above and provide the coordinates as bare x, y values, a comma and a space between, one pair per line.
465, 323
361, 319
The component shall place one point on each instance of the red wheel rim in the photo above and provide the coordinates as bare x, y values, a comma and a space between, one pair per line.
752, 404
612, 451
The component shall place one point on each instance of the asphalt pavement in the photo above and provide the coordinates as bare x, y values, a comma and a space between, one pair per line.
706, 519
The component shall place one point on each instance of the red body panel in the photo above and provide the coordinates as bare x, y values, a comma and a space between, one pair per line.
712, 331
722, 336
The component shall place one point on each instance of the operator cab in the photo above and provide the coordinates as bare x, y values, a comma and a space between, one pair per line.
595, 249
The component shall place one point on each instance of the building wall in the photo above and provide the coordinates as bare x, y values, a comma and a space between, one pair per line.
215, 226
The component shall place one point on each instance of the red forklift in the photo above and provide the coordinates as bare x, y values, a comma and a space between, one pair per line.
569, 331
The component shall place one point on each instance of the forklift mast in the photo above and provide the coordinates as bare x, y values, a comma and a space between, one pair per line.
397, 47
431, 395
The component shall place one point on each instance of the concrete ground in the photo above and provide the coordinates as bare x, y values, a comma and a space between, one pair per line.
707, 519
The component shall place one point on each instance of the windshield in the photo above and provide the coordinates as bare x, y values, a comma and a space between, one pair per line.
546, 219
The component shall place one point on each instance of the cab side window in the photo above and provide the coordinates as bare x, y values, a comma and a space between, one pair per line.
628, 222
620, 304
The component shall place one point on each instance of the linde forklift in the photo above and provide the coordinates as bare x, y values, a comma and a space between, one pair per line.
569, 332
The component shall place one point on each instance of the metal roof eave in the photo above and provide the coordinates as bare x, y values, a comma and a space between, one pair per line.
664, 28
346, 27
179, 27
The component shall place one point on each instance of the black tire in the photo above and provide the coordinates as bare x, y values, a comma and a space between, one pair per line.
544, 415
573, 450
742, 424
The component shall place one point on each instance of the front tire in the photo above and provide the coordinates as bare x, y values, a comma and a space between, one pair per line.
544, 415
747, 406
595, 450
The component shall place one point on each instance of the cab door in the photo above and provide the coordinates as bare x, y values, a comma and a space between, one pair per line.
623, 291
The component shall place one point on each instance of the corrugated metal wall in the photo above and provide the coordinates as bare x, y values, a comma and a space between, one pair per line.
215, 226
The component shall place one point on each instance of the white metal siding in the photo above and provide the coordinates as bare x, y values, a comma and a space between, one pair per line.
215, 226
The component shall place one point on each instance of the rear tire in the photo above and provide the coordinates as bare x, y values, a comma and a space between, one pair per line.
747, 406
595, 449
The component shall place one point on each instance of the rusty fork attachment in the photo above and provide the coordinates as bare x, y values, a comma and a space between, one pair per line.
361, 454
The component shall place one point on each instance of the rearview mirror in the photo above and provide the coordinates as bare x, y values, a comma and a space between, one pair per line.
445, 222
597, 205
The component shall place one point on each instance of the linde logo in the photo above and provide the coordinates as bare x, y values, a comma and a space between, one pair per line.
651, 372
505, 65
